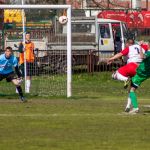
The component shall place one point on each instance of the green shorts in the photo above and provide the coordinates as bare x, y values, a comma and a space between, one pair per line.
138, 79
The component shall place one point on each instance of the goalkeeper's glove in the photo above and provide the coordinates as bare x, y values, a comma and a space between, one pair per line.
20, 48
20, 80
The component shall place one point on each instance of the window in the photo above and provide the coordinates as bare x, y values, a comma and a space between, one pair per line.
81, 28
125, 31
104, 30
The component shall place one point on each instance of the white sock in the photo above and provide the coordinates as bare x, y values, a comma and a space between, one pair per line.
128, 102
28, 84
16, 90
119, 76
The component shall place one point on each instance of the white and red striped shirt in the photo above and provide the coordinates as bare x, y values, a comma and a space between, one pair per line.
133, 53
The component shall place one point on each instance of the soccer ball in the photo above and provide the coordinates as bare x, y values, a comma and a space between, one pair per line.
63, 20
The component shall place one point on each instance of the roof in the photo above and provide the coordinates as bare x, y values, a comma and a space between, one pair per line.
108, 20
92, 19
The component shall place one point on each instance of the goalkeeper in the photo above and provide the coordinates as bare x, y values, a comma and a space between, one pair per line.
142, 73
8, 62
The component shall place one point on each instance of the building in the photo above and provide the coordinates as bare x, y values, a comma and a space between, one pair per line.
144, 4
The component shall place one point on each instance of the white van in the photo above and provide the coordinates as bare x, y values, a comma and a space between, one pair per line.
98, 34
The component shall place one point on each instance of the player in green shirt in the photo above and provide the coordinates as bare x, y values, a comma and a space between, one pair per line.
142, 73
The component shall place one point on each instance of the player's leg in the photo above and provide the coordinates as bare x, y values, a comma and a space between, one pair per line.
135, 83
118, 76
29, 67
128, 105
21, 68
129, 70
133, 100
17, 82
28, 84
126, 83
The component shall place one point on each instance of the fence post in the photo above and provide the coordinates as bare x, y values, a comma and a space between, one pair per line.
90, 62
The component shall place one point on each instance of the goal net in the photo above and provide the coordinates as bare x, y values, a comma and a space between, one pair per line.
51, 38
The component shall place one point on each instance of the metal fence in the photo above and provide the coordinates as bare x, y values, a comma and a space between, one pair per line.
87, 60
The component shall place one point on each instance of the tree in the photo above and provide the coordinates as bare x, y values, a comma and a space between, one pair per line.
108, 4
47, 1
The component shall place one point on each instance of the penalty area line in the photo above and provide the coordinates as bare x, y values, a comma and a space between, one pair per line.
54, 115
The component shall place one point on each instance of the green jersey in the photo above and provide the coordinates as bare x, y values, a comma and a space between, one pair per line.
144, 67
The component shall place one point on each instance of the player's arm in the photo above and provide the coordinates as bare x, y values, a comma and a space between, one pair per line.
20, 48
124, 52
32, 47
147, 53
18, 72
145, 46
116, 56
110, 60
19, 80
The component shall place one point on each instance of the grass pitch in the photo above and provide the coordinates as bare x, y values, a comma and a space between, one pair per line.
92, 119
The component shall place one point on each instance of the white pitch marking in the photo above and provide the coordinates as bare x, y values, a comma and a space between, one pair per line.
48, 115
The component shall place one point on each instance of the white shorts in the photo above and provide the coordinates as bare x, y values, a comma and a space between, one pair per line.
117, 76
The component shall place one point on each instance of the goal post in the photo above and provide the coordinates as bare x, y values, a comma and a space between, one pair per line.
68, 36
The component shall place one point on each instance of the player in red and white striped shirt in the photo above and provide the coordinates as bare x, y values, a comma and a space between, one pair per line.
133, 60
132, 52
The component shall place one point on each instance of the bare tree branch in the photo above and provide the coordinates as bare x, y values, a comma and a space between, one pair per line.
98, 4
115, 3
109, 4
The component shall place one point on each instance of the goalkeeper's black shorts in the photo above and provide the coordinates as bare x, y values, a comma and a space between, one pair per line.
9, 77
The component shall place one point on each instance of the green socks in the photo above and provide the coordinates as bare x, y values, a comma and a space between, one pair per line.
134, 99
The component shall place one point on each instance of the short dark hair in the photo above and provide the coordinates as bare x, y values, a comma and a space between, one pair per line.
28, 33
130, 41
9, 48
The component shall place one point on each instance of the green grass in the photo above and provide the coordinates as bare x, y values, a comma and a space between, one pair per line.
91, 120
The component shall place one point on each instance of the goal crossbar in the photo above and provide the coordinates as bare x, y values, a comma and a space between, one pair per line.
68, 7
35, 6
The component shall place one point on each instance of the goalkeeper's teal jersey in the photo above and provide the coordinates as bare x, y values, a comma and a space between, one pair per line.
144, 67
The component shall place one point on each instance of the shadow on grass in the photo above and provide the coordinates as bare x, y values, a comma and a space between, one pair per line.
8, 96
15, 96
147, 111
48, 97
